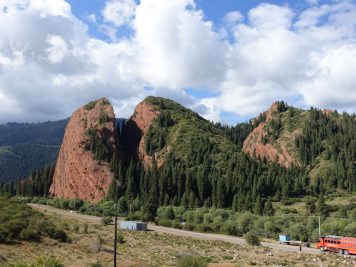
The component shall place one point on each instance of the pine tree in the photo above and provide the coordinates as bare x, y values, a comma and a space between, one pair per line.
268, 209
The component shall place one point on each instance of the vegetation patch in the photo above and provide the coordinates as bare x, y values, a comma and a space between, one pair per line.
20, 222
91, 105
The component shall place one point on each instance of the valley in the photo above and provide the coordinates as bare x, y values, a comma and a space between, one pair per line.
195, 181
159, 247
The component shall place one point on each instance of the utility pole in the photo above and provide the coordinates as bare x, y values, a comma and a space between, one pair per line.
115, 234
319, 227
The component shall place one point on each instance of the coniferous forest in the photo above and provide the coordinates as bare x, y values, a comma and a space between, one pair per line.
205, 165
25, 147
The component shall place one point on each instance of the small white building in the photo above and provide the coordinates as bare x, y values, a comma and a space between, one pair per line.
133, 225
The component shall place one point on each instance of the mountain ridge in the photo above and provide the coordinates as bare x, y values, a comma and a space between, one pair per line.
171, 155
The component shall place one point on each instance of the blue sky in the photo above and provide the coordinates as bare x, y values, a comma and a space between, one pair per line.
227, 59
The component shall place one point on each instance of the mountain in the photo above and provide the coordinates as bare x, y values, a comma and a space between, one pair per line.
90, 141
274, 133
323, 142
25, 147
166, 154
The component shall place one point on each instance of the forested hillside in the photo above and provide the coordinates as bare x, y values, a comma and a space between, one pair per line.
25, 147
196, 163
322, 142
179, 158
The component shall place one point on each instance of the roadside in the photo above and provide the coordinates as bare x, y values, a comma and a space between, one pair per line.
178, 232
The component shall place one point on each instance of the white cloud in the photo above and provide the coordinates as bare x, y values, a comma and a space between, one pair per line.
176, 48
311, 59
119, 12
49, 65
270, 17
58, 49
233, 17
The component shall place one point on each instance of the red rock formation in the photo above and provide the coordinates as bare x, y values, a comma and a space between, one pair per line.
255, 147
77, 175
136, 128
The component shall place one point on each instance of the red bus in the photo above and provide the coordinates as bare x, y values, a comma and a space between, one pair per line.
339, 244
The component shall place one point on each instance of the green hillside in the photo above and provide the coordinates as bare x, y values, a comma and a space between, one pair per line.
321, 141
28, 146
196, 163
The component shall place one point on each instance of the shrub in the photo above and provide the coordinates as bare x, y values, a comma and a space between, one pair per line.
252, 239
106, 220
192, 261
299, 232
204, 227
230, 228
350, 229
245, 222
29, 234
164, 222
189, 226
43, 261
176, 225
120, 238
90, 105
60, 235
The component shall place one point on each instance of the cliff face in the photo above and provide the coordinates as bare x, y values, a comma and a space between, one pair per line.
259, 144
77, 175
136, 128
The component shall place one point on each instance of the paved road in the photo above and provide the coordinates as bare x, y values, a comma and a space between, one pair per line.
161, 229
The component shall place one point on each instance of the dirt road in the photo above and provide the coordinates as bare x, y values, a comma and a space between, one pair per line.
161, 229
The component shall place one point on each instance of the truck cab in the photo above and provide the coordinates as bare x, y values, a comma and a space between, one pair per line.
321, 243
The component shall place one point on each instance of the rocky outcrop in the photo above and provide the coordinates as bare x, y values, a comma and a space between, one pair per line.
135, 130
255, 145
77, 175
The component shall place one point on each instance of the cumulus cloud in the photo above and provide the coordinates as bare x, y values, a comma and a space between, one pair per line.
119, 12
58, 49
49, 64
282, 55
176, 47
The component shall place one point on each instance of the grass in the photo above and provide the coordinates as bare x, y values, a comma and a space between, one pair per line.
149, 249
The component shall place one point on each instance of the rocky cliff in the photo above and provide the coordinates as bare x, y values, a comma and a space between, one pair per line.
270, 140
135, 130
90, 133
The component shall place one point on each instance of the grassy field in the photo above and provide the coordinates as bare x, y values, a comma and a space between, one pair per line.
150, 249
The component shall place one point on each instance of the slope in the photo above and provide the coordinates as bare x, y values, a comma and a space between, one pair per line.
28, 146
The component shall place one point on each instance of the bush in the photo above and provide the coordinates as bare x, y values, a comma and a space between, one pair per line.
252, 239
106, 220
60, 235
204, 227
245, 222
176, 225
29, 234
230, 228
43, 261
164, 222
192, 261
189, 226
120, 238
299, 232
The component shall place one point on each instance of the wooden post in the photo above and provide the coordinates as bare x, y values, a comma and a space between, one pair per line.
115, 236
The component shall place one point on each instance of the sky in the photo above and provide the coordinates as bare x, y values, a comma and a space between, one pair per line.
228, 60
